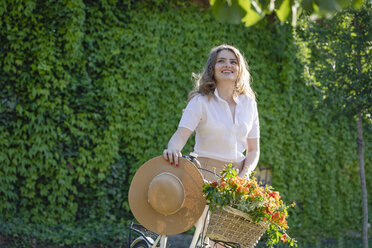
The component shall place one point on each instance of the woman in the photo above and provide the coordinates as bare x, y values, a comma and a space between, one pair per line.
222, 110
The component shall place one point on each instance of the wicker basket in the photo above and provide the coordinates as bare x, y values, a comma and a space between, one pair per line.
232, 225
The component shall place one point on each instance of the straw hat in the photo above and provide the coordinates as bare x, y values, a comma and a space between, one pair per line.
165, 199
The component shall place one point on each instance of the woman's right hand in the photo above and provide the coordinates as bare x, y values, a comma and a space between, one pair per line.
172, 155
175, 145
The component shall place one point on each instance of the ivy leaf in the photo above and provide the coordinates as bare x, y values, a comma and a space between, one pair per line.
328, 6
228, 11
252, 16
284, 10
357, 3
344, 3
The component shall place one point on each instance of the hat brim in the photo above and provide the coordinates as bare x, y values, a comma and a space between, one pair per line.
186, 216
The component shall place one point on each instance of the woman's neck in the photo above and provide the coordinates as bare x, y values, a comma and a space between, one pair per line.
226, 91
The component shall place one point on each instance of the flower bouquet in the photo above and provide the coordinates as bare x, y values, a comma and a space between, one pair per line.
250, 209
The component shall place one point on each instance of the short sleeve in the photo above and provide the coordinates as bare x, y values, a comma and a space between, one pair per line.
255, 130
192, 114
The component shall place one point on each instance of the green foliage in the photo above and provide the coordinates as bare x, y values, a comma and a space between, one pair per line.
339, 57
327, 243
80, 234
252, 11
340, 54
59, 129
92, 89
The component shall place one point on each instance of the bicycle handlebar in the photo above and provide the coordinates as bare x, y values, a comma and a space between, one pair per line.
193, 158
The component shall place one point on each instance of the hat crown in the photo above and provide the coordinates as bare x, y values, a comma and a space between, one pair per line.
166, 193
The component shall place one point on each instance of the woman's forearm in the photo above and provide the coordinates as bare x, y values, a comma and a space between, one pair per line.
176, 144
252, 156
250, 163
179, 139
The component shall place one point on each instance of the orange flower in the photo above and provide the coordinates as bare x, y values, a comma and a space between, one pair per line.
284, 237
223, 184
276, 216
282, 219
242, 190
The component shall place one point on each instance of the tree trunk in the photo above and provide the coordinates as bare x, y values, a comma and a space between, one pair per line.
362, 180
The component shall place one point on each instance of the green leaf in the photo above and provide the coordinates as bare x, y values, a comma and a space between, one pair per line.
252, 16
284, 10
357, 4
344, 3
228, 11
328, 7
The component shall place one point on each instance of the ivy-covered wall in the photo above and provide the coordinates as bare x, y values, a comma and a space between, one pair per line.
92, 89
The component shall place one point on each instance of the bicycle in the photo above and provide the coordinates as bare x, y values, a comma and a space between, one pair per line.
147, 238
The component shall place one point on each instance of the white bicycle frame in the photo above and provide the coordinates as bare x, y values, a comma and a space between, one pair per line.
199, 228
198, 232
163, 241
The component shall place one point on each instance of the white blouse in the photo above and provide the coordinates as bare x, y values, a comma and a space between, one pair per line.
218, 136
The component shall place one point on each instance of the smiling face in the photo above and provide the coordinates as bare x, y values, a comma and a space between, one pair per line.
226, 67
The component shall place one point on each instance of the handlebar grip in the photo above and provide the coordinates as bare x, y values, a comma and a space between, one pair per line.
193, 155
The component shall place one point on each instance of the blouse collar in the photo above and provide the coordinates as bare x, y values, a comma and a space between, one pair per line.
236, 99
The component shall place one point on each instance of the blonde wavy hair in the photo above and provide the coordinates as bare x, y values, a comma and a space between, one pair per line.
205, 83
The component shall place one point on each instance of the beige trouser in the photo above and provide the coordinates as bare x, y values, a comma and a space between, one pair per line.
215, 166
